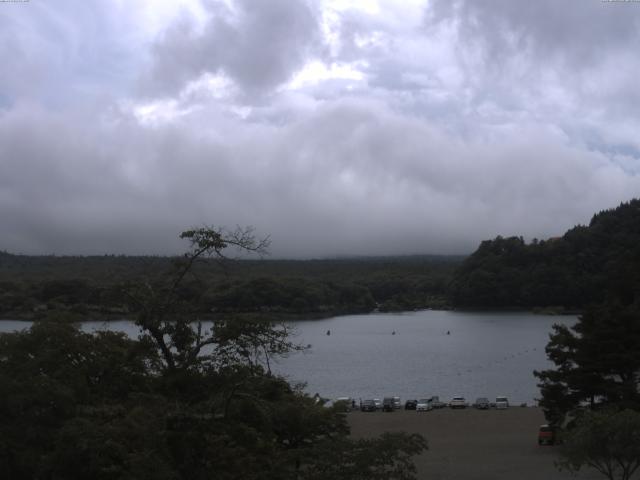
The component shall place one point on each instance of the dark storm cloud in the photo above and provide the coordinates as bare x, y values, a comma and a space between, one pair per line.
258, 44
337, 129
325, 185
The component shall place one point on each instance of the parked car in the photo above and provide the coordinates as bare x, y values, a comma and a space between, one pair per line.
481, 403
387, 404
502, 402
546, 435
396, 403
368, 406
410, 404
378, 403
424, 405
458, 402
436, 403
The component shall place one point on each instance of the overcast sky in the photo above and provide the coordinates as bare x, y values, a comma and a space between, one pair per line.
338, 127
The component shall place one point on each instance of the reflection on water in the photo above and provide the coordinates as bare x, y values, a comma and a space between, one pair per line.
484, 354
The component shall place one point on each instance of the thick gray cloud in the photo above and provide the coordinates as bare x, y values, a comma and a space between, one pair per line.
58, 53
337, 129
580, 34
258, 44
573, 66
351, 177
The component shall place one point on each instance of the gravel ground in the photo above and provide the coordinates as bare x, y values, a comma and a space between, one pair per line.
473, 444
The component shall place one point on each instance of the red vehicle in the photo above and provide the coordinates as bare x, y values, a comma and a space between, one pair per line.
546, 435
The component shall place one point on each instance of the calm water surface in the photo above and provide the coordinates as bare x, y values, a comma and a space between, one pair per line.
485, 354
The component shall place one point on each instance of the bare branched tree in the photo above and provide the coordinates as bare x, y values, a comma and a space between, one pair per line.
172, 324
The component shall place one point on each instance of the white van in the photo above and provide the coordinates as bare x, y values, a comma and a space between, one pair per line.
502, 402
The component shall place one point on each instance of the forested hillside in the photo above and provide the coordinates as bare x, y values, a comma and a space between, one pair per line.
585, 265
34, 286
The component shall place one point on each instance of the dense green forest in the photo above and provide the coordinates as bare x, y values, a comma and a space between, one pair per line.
34, 286
584, 266
565, 273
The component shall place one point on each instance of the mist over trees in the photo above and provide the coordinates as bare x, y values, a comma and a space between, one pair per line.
566, 273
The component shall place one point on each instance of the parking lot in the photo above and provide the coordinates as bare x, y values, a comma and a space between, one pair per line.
470, 444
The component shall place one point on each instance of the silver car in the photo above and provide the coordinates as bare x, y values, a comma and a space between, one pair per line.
423, 405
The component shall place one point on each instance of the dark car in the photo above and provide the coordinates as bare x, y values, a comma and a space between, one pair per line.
410, 404
546, 435
436, 403
388, 404
481, 403
368, 406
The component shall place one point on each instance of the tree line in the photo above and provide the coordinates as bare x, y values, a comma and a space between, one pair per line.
566, 273
90, 287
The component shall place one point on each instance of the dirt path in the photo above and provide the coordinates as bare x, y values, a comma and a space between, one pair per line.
473, 444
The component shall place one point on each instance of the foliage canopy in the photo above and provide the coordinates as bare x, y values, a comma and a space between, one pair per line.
586, 265
179, 402
597, 362
607, 441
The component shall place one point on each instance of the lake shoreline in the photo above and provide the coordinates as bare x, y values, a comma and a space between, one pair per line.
292, 317
411, 354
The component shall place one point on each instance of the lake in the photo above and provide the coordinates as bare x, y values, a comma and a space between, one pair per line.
484, 354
